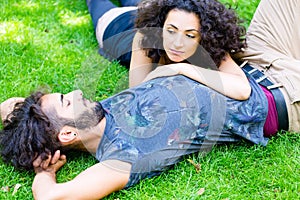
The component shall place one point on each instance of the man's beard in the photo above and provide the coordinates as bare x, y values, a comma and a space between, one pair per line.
90, 119
99, 111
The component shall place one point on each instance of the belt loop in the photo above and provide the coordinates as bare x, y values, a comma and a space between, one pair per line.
260, 79
277, 85
243, 64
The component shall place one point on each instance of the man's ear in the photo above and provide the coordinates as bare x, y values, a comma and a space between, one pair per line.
67, 135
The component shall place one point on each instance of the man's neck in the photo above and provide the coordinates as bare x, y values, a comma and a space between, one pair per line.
91, 138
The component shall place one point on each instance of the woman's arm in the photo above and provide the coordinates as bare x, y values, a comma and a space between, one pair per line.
140, 64
95, 182
230, 80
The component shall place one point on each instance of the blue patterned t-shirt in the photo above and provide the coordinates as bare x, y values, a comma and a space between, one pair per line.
154, 124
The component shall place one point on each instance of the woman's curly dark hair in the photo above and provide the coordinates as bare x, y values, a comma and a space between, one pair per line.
27, 133
221, 30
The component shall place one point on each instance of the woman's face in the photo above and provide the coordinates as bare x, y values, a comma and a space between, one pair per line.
181, 34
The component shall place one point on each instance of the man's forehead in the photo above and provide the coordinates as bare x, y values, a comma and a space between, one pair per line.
49, 97
49, 100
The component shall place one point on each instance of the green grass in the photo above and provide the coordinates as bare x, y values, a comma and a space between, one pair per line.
51, 45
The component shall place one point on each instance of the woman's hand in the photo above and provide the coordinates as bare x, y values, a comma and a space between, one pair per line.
165, 70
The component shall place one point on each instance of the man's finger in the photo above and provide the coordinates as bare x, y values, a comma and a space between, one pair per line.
63, 157
55, 157
37, 162
46, 163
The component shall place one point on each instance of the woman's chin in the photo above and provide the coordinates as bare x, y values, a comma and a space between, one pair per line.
176, 58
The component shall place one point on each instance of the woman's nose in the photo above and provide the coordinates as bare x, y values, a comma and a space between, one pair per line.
178, 40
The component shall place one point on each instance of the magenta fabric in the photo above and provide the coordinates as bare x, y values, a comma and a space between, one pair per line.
271, 125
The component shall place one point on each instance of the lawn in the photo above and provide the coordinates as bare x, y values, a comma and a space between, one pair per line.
50, 45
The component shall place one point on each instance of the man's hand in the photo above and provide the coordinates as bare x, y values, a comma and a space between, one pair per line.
51, 165
45, 178
8, 105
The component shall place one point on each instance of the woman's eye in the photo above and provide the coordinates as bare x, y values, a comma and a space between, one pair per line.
170, 31
191, 36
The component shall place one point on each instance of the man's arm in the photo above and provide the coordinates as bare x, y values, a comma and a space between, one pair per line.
95, 182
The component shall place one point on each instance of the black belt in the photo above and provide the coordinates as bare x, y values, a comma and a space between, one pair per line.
262, 79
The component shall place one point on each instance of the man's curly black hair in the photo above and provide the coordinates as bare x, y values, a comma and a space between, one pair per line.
221, 30
27, 133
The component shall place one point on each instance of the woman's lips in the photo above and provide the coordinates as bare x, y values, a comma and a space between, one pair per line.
175, 52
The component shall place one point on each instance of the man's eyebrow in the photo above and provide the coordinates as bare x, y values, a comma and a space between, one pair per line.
62, 99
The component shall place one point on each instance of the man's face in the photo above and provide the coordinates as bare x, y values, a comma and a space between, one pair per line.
73, 106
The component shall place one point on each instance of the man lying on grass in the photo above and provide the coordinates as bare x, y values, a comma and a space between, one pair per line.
135, 134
